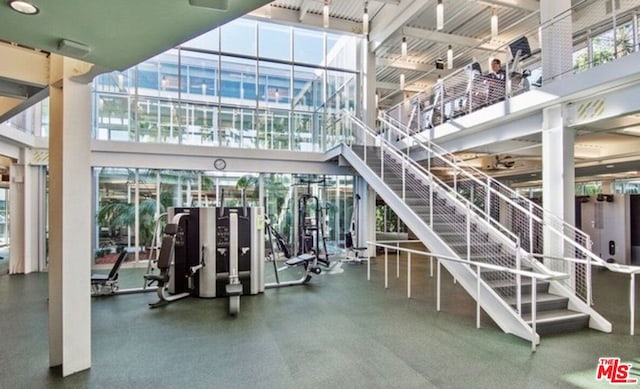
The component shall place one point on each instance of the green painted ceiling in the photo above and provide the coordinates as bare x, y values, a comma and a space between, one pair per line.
120, 33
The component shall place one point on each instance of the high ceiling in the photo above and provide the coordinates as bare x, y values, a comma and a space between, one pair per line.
117, 33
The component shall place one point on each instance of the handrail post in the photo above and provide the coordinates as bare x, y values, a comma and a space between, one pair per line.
478, 275
588, 280
409, 274
382, 162
369, 262
533, 314
632, 302
398, 260
468, 232
386, 268
431, 201
531, 250
519, 278
441, 102
438, 284
404, 179
487, 206
365, 140
431, 266
455, 178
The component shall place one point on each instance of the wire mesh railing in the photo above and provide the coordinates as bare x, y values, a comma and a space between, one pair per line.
457, 221
590, 33
539, 231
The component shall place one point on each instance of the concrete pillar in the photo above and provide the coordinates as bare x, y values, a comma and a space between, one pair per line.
366, 214
69, 218
556, 39
368, 108
558, 178
26, 203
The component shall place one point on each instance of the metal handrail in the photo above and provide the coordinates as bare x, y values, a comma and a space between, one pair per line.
552, 276
427, 174
536, 54
490, 181
616, 268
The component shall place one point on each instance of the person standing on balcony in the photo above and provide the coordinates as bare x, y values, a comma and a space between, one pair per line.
496, 79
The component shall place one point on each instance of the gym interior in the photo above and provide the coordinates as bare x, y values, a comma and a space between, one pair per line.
308, 193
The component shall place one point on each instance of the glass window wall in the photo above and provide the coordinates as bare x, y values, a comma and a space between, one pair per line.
126, 195
270, 89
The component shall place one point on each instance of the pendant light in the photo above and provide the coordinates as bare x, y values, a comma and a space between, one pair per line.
440, 15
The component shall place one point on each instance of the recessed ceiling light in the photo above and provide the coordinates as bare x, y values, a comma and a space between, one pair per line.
24, 7
610, 166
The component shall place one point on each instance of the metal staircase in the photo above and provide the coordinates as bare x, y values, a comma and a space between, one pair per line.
460, 215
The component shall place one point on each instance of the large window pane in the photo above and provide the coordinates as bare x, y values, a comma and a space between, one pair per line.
302, 131
201, 76
207, 41
238, 81
113, 117
274, 41
308, 47
237, 127
274, 88
341, 51
238, 37
273, 130
307, 88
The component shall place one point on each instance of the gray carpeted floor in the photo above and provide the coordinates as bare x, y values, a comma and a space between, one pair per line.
340, 331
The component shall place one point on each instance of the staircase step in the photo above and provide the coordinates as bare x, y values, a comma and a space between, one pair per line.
544, 302
558, 320
509, 287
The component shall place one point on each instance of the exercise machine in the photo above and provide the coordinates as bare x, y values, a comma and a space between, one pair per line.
213, 252
308, 262
354, 253
311, 236
107, 284
171, 271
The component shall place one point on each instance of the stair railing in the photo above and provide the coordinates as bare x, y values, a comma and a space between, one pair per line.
534, 225
389, 162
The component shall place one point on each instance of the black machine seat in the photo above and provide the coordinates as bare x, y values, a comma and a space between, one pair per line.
300, 259
165, 255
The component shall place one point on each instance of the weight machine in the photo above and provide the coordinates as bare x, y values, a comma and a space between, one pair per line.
211, 252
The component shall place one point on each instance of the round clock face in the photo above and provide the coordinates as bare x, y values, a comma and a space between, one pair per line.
220, 164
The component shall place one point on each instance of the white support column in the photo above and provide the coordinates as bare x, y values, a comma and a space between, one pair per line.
369, 111
557, 39
70, 218
558, 177
26, 209
366, 215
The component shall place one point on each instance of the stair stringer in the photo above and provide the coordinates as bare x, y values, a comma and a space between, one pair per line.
502, 313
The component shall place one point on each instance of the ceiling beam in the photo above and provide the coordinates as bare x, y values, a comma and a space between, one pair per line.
394, 2
527, 5
27, 66
8, 103
449, 39
384, 62
291, 17
391, 18
396, 87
